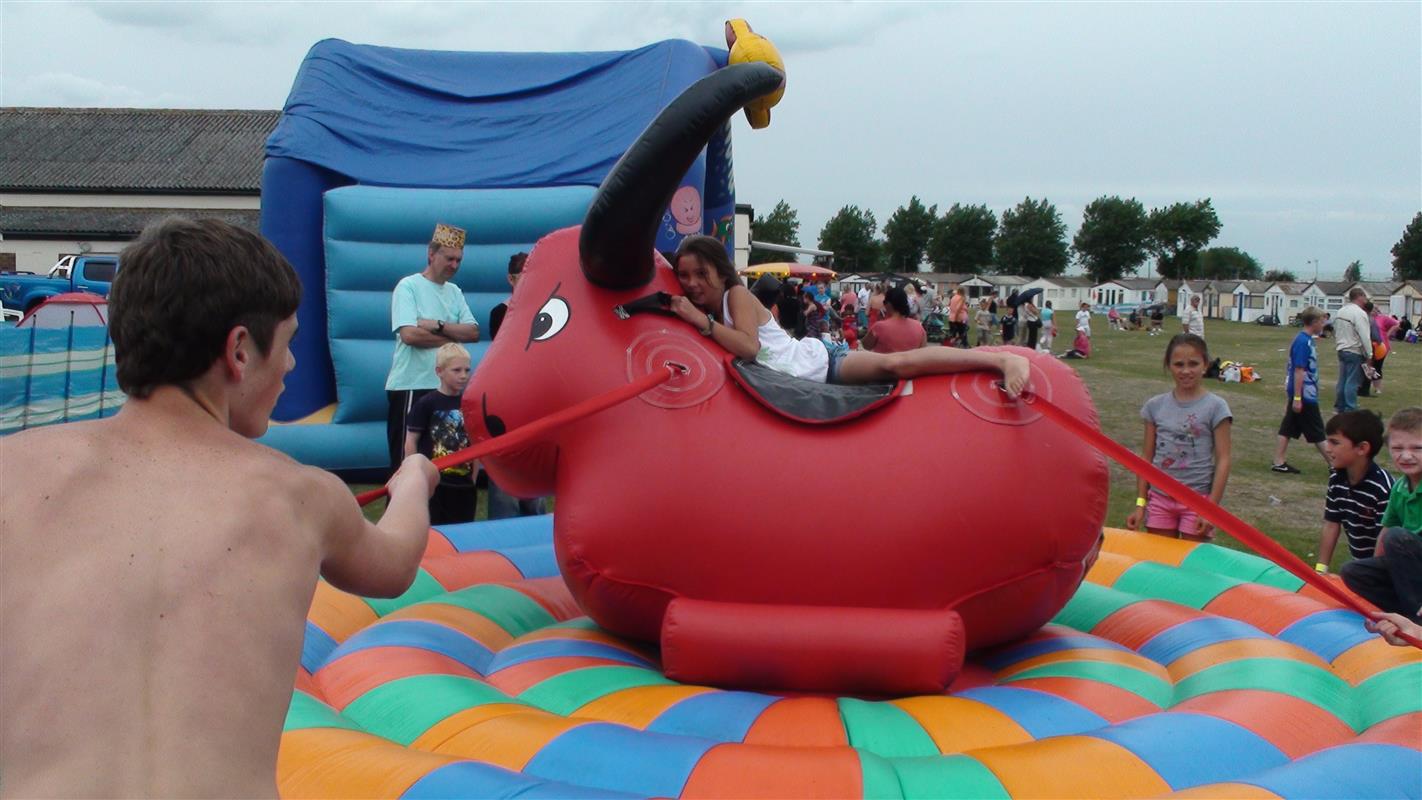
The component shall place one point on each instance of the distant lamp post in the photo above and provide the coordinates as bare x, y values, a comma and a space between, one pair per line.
1315, 268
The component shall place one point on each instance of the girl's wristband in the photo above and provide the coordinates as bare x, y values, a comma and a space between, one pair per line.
1321, 568
1141, 502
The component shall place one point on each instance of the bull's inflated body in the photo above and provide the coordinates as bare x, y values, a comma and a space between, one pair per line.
697, 491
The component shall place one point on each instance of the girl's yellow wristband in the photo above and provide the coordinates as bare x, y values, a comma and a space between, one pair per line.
1141, 501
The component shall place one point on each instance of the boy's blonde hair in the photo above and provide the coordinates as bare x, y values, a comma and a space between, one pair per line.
1406, 419
448, 352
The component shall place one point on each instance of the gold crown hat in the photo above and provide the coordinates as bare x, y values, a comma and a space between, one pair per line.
448, 236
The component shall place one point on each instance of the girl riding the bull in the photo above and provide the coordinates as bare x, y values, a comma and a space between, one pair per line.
720, 307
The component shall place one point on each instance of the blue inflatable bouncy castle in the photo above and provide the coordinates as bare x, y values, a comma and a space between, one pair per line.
377, 144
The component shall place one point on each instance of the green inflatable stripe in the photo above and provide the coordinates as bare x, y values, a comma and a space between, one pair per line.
1304, 681
1184, 586
1091, 604
1148, 686
1244, 566
424, 587
1388, 694
955, 777
884, 729
403, 709
563, 694
306, 711
508, 608
880, 780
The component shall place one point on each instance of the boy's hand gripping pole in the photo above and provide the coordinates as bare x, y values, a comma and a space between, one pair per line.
518, 438
1252, 537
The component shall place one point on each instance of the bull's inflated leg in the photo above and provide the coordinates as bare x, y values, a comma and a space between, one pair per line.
812, 648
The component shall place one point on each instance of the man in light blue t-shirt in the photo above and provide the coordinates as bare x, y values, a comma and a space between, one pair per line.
427, 310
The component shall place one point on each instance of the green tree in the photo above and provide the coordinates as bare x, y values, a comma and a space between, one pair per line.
962, 239
1178, 232
1031, 240
1280, 275
1112, 238
780, 226
1214, 263
1407, 253
906, 235
849, 234
1353, 272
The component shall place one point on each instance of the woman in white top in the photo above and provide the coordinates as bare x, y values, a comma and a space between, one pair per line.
746, 329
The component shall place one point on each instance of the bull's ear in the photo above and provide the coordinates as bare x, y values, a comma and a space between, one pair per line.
621, 225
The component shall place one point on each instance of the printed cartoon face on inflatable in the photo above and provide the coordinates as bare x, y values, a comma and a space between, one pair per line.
864, 556
686, 210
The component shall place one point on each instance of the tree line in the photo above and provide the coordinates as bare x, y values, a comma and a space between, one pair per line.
1116, 238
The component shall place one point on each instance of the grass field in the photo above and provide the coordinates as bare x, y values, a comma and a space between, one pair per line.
1126, 368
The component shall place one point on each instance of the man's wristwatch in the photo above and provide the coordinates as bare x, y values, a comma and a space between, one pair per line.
439, 326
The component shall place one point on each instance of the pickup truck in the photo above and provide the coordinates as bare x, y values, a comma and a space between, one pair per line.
88, 273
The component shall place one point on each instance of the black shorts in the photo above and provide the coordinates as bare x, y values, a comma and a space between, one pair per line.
1307, 423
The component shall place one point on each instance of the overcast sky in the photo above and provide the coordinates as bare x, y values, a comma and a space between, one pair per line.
1302, 121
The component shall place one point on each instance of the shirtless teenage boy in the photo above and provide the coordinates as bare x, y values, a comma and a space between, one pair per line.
156, 567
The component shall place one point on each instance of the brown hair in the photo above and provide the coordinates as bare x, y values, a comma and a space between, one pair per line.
1407, 419
1359, 426
182, 286
1310, 315
713, 254
1187, 340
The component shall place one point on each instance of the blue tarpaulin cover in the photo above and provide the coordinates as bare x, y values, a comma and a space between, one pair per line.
398, 117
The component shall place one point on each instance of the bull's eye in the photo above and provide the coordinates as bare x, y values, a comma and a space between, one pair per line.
549, 320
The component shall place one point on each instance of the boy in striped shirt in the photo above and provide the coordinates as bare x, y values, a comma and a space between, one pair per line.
1358, 488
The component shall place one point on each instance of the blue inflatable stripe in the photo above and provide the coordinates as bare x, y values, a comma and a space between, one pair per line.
1346, 772
316, 647
620, 758
464, 779
1194, 749
1187, 637
1012, 655
468, 537
423, 635
562, 648
1039, 713
534, 561
1328, 634
720, 716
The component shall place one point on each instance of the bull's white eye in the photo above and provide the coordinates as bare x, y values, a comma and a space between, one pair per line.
549, 320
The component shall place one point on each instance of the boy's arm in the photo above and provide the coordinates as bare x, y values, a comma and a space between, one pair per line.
412, 443
377, 559
1327, 542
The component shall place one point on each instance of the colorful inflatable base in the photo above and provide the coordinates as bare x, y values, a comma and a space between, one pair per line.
1177, 668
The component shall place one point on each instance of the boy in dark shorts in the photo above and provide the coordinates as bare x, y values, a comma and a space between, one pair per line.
435, 427
1301, 414
1358, 488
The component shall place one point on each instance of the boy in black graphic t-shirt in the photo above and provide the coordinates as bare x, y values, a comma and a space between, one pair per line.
435, 427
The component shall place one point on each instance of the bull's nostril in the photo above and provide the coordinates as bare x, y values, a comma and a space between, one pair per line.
493, 425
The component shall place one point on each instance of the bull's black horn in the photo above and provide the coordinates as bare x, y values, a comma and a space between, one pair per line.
621, 225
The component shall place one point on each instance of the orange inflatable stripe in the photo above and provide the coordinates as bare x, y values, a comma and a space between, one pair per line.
1072, 766
1368, 658
344, 680
1297, 727
338, 763
1227, 791
1124, 658
306, 684
470, 623
799, 722
1235, 649
442, 731
1265, 607
552, 594
957, 724
437, 545
515, 680
1308, 591
1112, 702
466, 569
1108, 568
1404, 730
638, 706
1147, 547
759, 771
339, 614
508, 740
1138, 623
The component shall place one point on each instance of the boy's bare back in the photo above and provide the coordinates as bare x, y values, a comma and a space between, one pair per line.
155, 577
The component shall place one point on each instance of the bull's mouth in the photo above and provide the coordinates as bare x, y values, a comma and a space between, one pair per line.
492, 424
